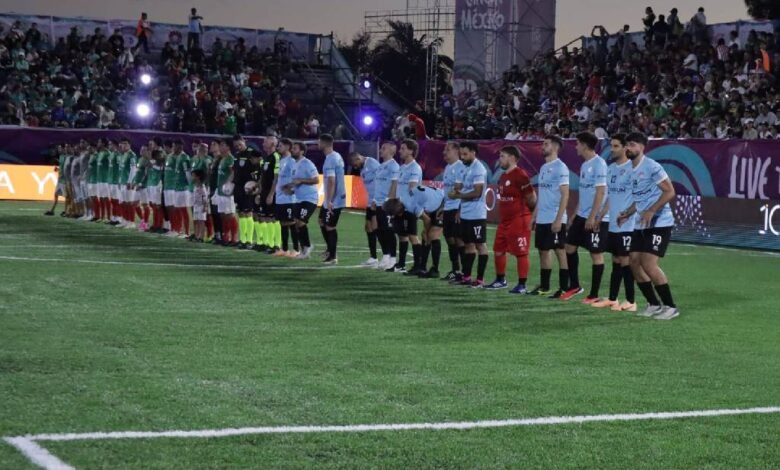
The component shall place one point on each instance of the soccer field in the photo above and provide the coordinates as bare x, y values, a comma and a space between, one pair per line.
111, 330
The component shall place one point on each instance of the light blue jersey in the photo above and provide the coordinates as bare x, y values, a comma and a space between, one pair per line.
645, 179
411, 173
284, 178
368, 175
453, 173
425, 199
552, 175
305, 169
388, 172
619, 196
593, 174
474, 209
334, 167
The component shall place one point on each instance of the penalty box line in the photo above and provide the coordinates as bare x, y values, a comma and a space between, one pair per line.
37, 454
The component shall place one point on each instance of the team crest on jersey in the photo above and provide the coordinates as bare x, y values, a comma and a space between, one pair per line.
507, 183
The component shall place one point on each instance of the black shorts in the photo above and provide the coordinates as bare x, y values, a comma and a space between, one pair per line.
370, 213
595, 242
406, 224
451, 225
545, 239
244, 202
437, 218
652, 240
266, 210
304, 210
330, 218
384, 221
620, 243
285, 212
473, 231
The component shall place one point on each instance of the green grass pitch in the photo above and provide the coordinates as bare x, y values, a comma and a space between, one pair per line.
163, 334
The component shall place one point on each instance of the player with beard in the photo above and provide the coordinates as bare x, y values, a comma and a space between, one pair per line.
304, 187
473, 214
242, 174
550, 217
335, 197
270, 229
453, 173
652, 193
587, 230
619, 198
516, 200
368, 167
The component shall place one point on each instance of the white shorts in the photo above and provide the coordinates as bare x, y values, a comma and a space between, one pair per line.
91, 190
103, 191
199, 215
225, 204
60, 189
141, 196
170, 197
117, 193
130, 195
154, 194
183, 199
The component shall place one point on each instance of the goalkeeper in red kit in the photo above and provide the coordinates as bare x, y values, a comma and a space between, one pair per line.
516, 201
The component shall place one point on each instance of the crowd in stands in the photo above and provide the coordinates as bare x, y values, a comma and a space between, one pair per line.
92, 81
679, 85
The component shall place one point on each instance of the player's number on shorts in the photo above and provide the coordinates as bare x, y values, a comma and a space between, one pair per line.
289, 212
477, 231
304, 212
657, 240
627, 242
594, 239
522, 242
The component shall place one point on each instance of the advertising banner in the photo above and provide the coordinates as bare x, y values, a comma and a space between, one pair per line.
28, 182
493, 35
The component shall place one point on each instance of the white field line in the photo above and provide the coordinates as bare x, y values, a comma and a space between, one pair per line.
37, 454
178, 265
462, 425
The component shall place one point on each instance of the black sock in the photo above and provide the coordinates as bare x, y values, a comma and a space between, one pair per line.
425, 250
334, 241
481, 266
648, 292
454, 256
285, 237
614, 281
545, 279
303, 235
573, 260
435, 248
563, 279
372, 243
462, 256
416, 255
294, 236
468, 263
595, 281
665, 293
324, 232
381, 235
403, 247
628, 281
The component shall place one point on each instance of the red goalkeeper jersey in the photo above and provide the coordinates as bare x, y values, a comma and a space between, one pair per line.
513, 187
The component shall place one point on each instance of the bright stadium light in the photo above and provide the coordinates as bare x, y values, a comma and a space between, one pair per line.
368, 120
143, 110
146, 79
366, 83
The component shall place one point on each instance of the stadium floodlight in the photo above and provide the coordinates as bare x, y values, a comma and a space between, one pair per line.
366, 83
146, 79
143, 110
368, 120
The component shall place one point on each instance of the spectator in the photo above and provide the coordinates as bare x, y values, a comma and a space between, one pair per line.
420, 132
195, 29
142, 32
648, 21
